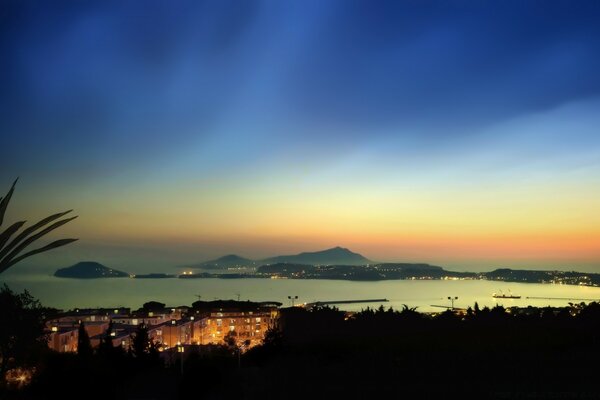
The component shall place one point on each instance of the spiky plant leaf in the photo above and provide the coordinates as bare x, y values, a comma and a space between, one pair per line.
9, 255
5, 200
8, 232
58, 243
32, 239
29, 231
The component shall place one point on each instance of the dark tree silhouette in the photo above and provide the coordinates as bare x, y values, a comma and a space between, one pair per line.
106, 342
143, 349
21, 327
273, 337
230, 340
11, 250
153, 306
84, 347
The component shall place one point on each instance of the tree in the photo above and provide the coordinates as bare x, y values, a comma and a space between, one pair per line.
106, 342
21, 327
153, 306
273, 337
84, 347
10, 251
143, 348
230, 340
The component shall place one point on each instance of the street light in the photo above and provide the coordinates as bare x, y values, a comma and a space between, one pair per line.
292, 298
180, 349
452, 300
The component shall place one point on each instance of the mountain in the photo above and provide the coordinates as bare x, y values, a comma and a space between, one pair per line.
228, 261
89, 270
335, 256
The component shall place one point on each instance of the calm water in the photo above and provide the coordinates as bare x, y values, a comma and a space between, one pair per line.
71, 293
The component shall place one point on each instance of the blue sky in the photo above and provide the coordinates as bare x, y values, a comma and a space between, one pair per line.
126, 101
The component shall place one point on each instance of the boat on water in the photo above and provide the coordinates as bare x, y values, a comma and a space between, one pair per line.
505, 296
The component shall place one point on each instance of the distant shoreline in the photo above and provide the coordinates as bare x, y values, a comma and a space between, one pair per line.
505, 275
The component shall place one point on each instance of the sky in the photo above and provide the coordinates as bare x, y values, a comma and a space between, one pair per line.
460, 133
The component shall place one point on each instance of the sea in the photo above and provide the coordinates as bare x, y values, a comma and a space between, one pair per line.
425, 295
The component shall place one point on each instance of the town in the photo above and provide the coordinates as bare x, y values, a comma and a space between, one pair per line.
170, 329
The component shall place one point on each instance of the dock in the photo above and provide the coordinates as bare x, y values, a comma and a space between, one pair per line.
331, 302
560, 298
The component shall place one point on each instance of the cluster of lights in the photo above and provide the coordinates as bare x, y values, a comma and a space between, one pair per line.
19, 377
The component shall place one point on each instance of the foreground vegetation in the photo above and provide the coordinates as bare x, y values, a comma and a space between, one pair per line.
322, 353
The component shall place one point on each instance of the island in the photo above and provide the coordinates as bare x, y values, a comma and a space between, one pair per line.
89, 270
336, 263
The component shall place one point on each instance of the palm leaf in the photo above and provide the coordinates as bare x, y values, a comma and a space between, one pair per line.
29, 231
5, 264
9, 255
5, 200
31, 239
4, 236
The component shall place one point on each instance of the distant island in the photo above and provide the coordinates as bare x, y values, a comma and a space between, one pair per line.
337, 263
89, 270
334, 256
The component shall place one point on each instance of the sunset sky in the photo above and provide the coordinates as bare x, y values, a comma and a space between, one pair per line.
465, 134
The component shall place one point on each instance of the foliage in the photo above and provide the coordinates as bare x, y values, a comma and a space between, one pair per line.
230, 340
153, 306
11, 250
21, 327
143, 349
106, 347
84, 347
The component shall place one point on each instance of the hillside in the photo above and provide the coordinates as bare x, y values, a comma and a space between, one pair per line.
333, 256
89, 270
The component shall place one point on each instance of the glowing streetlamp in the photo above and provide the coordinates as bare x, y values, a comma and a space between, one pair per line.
452, 300
292, 298
180, 349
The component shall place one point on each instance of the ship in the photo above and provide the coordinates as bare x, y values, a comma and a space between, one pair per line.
505, 296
